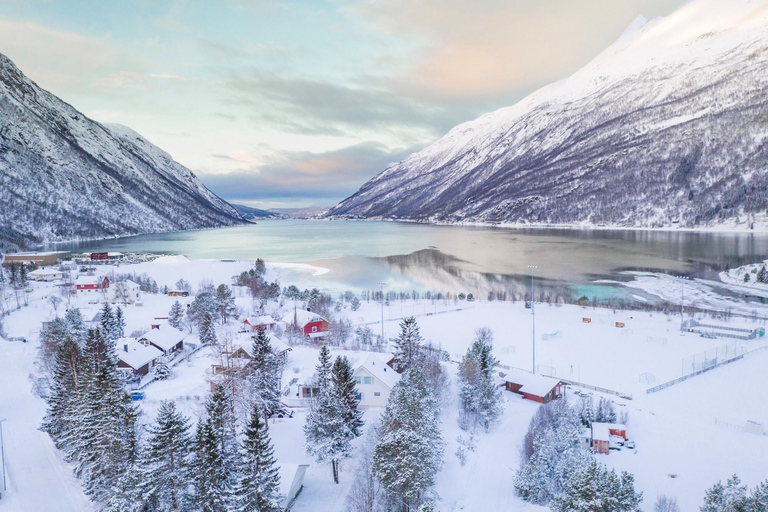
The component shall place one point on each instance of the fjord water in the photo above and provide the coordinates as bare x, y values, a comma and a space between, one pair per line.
453, 258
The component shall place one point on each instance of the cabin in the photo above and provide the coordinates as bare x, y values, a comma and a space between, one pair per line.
374, 379
46, 274
125, 291
135, 357
309, 324
291, 483
606, 436
538, 388
165, 337
253, 324
85, 285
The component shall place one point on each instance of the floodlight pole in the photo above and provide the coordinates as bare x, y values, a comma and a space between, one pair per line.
533, 320
682, 300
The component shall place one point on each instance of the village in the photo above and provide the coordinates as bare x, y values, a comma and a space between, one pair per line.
669, 378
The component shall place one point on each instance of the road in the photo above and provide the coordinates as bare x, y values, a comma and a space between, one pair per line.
38, 479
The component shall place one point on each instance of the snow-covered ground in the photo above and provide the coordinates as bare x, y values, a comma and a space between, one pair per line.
688, 436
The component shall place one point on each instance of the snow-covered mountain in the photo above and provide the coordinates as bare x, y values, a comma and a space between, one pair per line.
668, 126
64, 176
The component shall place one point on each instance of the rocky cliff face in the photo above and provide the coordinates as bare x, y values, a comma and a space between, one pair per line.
668, 126
64, 176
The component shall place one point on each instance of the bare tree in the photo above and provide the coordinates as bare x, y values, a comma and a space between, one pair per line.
55, 301
665, 503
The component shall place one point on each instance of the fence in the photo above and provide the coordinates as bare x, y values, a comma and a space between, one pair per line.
551, 336
699, 372
711, 357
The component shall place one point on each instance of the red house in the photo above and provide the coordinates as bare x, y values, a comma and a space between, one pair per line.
605, 435
91, 284
533, 387
308, 323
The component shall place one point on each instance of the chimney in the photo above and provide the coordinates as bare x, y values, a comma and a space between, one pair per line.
125, 347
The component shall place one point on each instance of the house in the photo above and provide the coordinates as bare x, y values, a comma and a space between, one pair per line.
291, 483
538, 388
46, 274
302, 386
307, 323
241, 355
165, 337
374, 380
606, 436
135, 356
85, 285
125, 291
265, 322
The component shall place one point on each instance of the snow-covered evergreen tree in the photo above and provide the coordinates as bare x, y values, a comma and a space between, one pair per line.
259, 485
64, 388
119, 322
215, 454
593, 488
165, 474
264, 379
728, 497
327, 431
225, 303
365, 494
207, 332
162, 370
344, 387
176, 315
108, 324
410, 452
407, 344
479, 396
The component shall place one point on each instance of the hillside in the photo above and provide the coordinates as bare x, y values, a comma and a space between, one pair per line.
254, 214
666, 127
65, 176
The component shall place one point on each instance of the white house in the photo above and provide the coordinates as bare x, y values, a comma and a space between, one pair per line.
165, 337
265, 322
124, 291
374, 379
46, 274
291, 482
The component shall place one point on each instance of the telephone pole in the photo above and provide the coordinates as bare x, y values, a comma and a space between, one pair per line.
533, 319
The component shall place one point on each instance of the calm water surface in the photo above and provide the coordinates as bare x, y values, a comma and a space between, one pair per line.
454, 258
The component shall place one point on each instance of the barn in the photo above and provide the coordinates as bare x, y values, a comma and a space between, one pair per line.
306, 322
538, 388
91, 284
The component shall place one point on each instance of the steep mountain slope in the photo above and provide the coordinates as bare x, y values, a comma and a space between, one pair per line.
668, 125
64, 176
252, 214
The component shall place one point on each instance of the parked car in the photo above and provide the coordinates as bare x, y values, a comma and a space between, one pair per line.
281, 412
630, 445
137, 395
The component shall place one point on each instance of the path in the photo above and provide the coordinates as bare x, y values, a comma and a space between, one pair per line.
38, 479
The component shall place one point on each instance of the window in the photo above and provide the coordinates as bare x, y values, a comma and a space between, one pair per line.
376, 393
314, 328
367, 380
358, 396
358, 380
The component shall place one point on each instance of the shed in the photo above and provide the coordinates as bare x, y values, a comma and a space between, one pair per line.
538, 388
291, 482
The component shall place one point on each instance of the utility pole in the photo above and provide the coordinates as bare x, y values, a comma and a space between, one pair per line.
533, 319
682, 300
2, 458
382, 310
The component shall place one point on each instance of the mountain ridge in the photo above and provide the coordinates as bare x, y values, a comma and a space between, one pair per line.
666, 127
64, 176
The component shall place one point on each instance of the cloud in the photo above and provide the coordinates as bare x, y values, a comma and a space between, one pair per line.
501, 47
55, 59
304, 177
168, 76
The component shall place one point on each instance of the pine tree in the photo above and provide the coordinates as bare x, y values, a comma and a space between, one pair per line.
119, 322
176, 315
215, 453
207, 332
410, 452
407, 344
259, 485
165, 465
64, 388
593, 487
162, 370
225, 303
479, 397
355, 303
264, 379
731, 497
758, 498
326, 431
344, 387
107, 323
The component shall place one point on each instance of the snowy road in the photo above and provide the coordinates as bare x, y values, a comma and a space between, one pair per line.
38, 480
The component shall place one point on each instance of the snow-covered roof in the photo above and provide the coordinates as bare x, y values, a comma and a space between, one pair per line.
377, 366
45, 272
291, 480
164, 336
278, 345
534, 384
89, 280
131, 284
260, 320
602, 431
136, 355
303, 317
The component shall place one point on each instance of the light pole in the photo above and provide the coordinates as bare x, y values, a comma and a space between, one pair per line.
682, 299
382, 310
2, 457
533, 319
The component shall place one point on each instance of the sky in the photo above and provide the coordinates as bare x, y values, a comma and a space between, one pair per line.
293, 103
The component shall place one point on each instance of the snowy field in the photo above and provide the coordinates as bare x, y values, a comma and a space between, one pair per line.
688, 436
